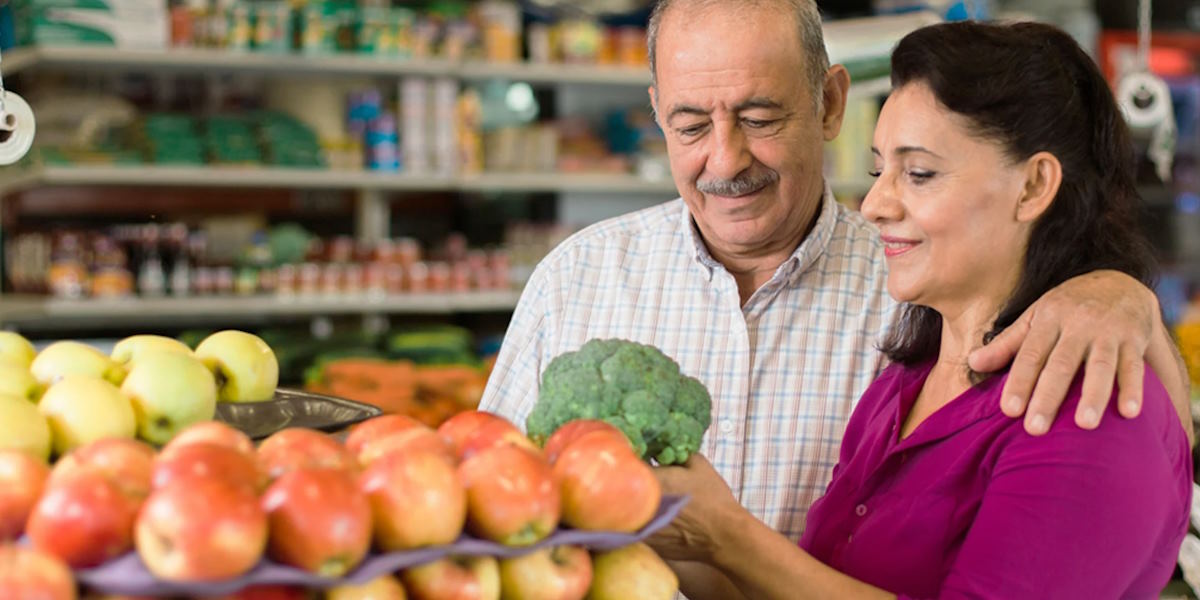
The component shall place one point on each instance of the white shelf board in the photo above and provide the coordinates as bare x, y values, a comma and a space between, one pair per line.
17, 311
15, 179
555, 73
212, 59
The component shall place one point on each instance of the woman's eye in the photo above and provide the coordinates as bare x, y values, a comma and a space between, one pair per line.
875, 172
920, 177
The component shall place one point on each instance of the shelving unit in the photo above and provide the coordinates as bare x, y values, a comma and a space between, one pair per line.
48, 313
372, 188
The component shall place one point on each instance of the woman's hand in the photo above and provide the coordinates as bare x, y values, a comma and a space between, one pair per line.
695, 534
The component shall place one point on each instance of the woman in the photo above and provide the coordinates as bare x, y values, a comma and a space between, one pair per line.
1004, 168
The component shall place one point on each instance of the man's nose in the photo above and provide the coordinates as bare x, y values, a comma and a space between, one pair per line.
729, 154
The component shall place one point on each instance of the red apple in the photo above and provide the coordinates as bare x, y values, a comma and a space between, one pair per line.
27, 574
605, 486
634, 571
128, 463
563, 436
265, 592
22, 480
212, 432
495, 433
319, 521
371, 429
460, 429
558, 573
203, 460
417, 499
456, 577
84, 519
512, 495
405, 442
203, 529
384, 587
296, 448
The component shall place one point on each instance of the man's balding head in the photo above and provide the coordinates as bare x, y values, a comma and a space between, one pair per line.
804, 12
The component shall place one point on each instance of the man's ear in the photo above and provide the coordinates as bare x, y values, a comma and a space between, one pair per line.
1042, 180
833, 100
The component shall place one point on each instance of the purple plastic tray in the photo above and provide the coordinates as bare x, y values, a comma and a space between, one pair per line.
127, 574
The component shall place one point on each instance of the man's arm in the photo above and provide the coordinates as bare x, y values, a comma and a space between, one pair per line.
1106, 322
512, 388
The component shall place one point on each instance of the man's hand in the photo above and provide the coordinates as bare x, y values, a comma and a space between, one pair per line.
696, 532
1104, 320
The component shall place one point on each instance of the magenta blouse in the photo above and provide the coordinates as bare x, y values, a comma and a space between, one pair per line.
969, 505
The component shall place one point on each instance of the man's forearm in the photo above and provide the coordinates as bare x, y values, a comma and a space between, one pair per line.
1164, 357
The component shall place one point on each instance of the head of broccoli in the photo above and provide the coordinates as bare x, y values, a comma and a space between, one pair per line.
632, 386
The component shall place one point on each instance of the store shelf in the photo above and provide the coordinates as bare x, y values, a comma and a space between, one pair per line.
209, 60
15, 179
43, 313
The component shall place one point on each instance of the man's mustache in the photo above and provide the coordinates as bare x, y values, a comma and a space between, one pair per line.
745, 183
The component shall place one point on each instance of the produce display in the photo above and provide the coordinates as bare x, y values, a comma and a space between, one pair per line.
150, 388
391, 506
632, 386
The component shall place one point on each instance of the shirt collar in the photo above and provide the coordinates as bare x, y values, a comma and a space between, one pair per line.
805, 255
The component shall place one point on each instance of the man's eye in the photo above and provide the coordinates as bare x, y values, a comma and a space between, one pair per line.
756, 123
694, 130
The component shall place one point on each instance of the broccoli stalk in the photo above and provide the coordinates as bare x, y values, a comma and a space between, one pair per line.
632, 386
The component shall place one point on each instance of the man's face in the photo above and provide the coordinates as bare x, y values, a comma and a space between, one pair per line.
744, 133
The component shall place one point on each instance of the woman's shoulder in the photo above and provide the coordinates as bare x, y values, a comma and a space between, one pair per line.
1155, 434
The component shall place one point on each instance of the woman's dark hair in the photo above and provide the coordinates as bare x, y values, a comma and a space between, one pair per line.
1030, 88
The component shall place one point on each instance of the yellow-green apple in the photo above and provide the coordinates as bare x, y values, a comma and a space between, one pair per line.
384, 587
558, 573
372, 429
458, 577
213, 432
16, 349
169, 392
472, 431
203, 530
23, 427
27, 574
22, 481
417, 439
136, 347
416, 500
297, 448
84, 519
319, 521
202, 460
82, 409
16, 380
512, 495
127, 463
634, 571
245, 366
61, 359
605, 486
573, 430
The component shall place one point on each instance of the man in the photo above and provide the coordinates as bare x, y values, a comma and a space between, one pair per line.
762, 286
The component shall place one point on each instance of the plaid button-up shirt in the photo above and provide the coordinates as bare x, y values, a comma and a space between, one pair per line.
785, 370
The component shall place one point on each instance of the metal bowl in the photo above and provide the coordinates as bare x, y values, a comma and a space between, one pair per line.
294, 408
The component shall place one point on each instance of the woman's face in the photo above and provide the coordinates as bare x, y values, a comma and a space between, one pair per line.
945, 202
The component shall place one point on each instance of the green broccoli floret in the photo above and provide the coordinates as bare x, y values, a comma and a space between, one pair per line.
634, 387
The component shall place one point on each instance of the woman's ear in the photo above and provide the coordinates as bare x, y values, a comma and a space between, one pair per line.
1043, 178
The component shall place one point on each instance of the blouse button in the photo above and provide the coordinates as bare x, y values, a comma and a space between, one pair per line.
860, 510
726, 426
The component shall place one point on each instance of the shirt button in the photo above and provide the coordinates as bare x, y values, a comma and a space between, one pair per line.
726, 426
860, 510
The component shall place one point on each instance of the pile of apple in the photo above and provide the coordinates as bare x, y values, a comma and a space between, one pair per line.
150, 387
210, 505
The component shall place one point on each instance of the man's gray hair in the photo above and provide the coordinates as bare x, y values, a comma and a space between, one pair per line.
808, 20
